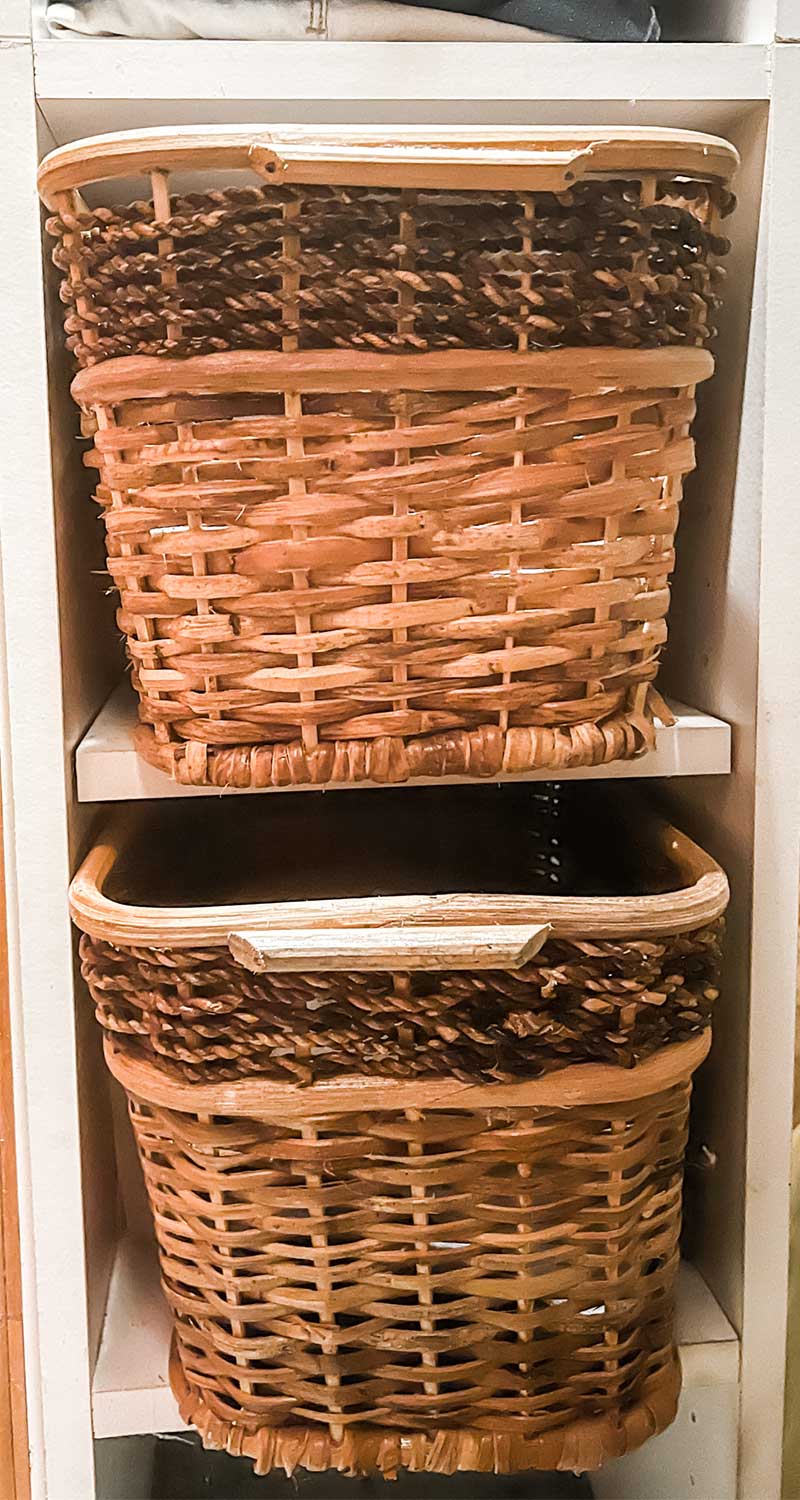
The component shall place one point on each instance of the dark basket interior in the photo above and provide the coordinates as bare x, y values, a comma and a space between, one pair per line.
558, 838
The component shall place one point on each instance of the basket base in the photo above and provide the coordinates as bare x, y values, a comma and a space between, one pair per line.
581, 1446
484, 752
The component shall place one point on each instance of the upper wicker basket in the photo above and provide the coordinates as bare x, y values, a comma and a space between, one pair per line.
349, 545
307, 239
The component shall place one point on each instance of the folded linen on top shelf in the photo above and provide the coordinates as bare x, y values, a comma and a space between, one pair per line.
280, 21
358, 20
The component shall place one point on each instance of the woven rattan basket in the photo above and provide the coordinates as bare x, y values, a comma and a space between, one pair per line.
375, 1276
512, 935
420, 239
359, 549
338, 568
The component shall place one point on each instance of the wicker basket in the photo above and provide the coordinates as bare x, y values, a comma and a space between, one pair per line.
377, 1276
338, 568
218, 968
508, 240
358, 549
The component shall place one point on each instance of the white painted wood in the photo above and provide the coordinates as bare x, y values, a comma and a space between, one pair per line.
773, 974
201, 73
787, 25
696, 1456
108, 768
713, 655
89, 664
37, 21
37, 856
15, 19
130, 1390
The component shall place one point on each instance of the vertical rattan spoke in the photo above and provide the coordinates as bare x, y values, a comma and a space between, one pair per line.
518, 459
323, 1279
169, 277
295, 449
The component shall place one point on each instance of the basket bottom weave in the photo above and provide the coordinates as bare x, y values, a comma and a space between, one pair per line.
580, 1446
485, 751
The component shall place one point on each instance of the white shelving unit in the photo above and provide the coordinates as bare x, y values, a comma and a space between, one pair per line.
728, 770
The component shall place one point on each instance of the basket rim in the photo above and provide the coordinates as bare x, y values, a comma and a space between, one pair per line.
592, 1084
546, 158
703, 898
151, 377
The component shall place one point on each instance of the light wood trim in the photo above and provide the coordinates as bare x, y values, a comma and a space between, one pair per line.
458, 156
704, 897
343, 370
583, 1083
14, 1462
326, 950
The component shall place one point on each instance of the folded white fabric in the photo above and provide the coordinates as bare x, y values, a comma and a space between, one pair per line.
280, 21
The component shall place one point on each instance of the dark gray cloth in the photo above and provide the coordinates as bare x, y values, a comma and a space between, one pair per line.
586, 20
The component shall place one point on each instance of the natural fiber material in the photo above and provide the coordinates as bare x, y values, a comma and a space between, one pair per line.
625, 263
583, 1446
434, 1285
337, 568
207, 1019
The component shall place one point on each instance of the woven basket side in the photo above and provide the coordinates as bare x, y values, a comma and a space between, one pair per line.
506, 1270
327, 586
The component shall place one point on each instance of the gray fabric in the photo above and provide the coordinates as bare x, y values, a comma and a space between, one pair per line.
590, 20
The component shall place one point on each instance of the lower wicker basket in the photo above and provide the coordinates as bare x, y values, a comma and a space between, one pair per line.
369, 1275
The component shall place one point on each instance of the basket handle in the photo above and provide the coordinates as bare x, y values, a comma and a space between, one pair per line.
555, 167
360, 948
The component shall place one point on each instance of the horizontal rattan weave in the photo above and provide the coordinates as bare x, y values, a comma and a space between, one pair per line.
415, 240
432, 1283
336, 568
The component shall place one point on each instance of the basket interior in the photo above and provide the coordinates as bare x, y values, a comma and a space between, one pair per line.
558, 839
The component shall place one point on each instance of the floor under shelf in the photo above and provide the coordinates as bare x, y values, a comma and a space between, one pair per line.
131, 1394
108, 768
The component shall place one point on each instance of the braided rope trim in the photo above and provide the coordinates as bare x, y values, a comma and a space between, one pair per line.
593, 265
205, 1019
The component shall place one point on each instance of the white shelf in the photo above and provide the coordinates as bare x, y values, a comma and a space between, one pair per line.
89, 85
130, 1390
108, 768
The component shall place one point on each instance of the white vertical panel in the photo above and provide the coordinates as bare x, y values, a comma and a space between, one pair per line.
777, 827
15, 18
35, 797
